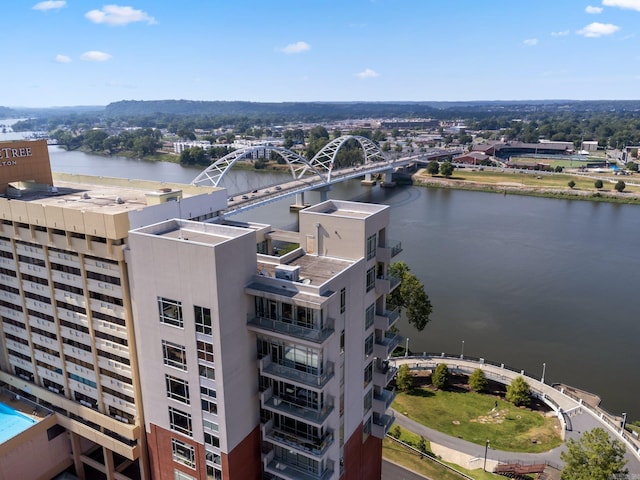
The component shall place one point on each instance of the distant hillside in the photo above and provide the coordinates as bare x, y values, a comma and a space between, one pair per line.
287, 109
6, 112
300, 111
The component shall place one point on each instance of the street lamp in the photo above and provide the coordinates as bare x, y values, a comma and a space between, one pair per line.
406, 348
486, 447
462, 351
624, 421
544, 368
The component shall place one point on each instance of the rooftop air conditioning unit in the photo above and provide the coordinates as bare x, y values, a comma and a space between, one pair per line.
288, 272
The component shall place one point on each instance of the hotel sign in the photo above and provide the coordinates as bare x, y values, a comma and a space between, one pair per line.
8, 152
28, 161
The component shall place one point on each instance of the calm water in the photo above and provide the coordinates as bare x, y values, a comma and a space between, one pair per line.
520, 280
12, 422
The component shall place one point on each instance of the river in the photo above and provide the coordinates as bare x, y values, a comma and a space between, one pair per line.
521, 280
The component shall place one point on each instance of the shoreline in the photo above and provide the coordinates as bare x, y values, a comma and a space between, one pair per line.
511, 189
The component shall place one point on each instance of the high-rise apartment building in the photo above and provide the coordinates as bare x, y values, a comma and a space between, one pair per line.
173, 344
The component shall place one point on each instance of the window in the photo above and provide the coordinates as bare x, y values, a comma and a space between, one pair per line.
183, 453
178, 475
179, 421
369, 316
170, 312
205, 351
174, 355
203, 320
210, 426
368, 374
342, 342
211, 440
212, 457
209, 392
343, 300
213, 474
371, 246
371, 279
209, 406
368, 346
368, 401
207, 372
177, 389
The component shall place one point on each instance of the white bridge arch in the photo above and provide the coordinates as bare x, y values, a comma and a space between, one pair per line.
322, 164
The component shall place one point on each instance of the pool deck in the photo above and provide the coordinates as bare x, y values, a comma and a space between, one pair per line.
23, 406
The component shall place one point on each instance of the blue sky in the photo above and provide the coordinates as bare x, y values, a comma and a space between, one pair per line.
85, 52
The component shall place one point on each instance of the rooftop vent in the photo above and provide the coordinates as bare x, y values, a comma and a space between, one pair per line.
288, 272
119, 200
85, 196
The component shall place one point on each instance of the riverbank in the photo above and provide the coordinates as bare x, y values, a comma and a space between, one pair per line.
510, 187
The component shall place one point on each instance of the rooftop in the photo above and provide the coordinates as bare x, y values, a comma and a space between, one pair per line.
345, 209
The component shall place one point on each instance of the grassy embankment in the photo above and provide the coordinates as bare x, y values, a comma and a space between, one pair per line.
408, 458
475, 418
534, 183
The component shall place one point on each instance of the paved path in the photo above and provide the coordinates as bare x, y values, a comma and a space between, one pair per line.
393, 471
580, 417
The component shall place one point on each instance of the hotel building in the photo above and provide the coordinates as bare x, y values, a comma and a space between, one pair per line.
172, 343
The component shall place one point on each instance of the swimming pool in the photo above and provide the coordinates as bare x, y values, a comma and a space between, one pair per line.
12, 422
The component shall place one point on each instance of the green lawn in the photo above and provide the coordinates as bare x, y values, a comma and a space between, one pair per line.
475, 418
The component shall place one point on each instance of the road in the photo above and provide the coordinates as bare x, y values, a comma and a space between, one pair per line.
393, 471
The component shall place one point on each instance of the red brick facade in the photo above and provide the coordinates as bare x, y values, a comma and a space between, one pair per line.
362, 461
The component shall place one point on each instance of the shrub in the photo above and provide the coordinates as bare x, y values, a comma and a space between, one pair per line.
440, 376
478, 380
519, 392
598, 184
571, 184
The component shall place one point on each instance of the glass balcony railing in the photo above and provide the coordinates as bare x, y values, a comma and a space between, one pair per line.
384, 398
281, 469
384, 321
316, 447
299, 410
317, 335
390, 249
272, 369
384, 346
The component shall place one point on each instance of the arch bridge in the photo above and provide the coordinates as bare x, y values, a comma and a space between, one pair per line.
321, 166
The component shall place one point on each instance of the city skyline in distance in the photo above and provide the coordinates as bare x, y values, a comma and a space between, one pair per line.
88, 53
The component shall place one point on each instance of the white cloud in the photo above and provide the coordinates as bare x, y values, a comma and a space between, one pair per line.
49, 5
563, 33
627, 4
63, 59
597, 29
531, 42
367, 73
95, 56
116, 15
297, 47
593, 10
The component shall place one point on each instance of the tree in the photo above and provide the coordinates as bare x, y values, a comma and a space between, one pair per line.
409, 296
440, 376
404, 378
598, 184
632, 166
478, 380
519, 392
620, 185
433, 167
446, 169
594, 456
395, 432
422, 445
571, 184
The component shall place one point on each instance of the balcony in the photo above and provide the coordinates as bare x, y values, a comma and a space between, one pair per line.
297, 409
316, 447
278, 371
381, 424
384, 321
285, 471
382, 400
387, 252
385, 284
383, 374
384, 346
267, 325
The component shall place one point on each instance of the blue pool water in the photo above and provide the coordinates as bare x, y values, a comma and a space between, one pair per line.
12, 422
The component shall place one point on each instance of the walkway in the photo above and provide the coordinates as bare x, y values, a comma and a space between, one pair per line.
575, 415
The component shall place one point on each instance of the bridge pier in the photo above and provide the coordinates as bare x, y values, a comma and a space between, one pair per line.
368, 180
388, 180
300, 203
